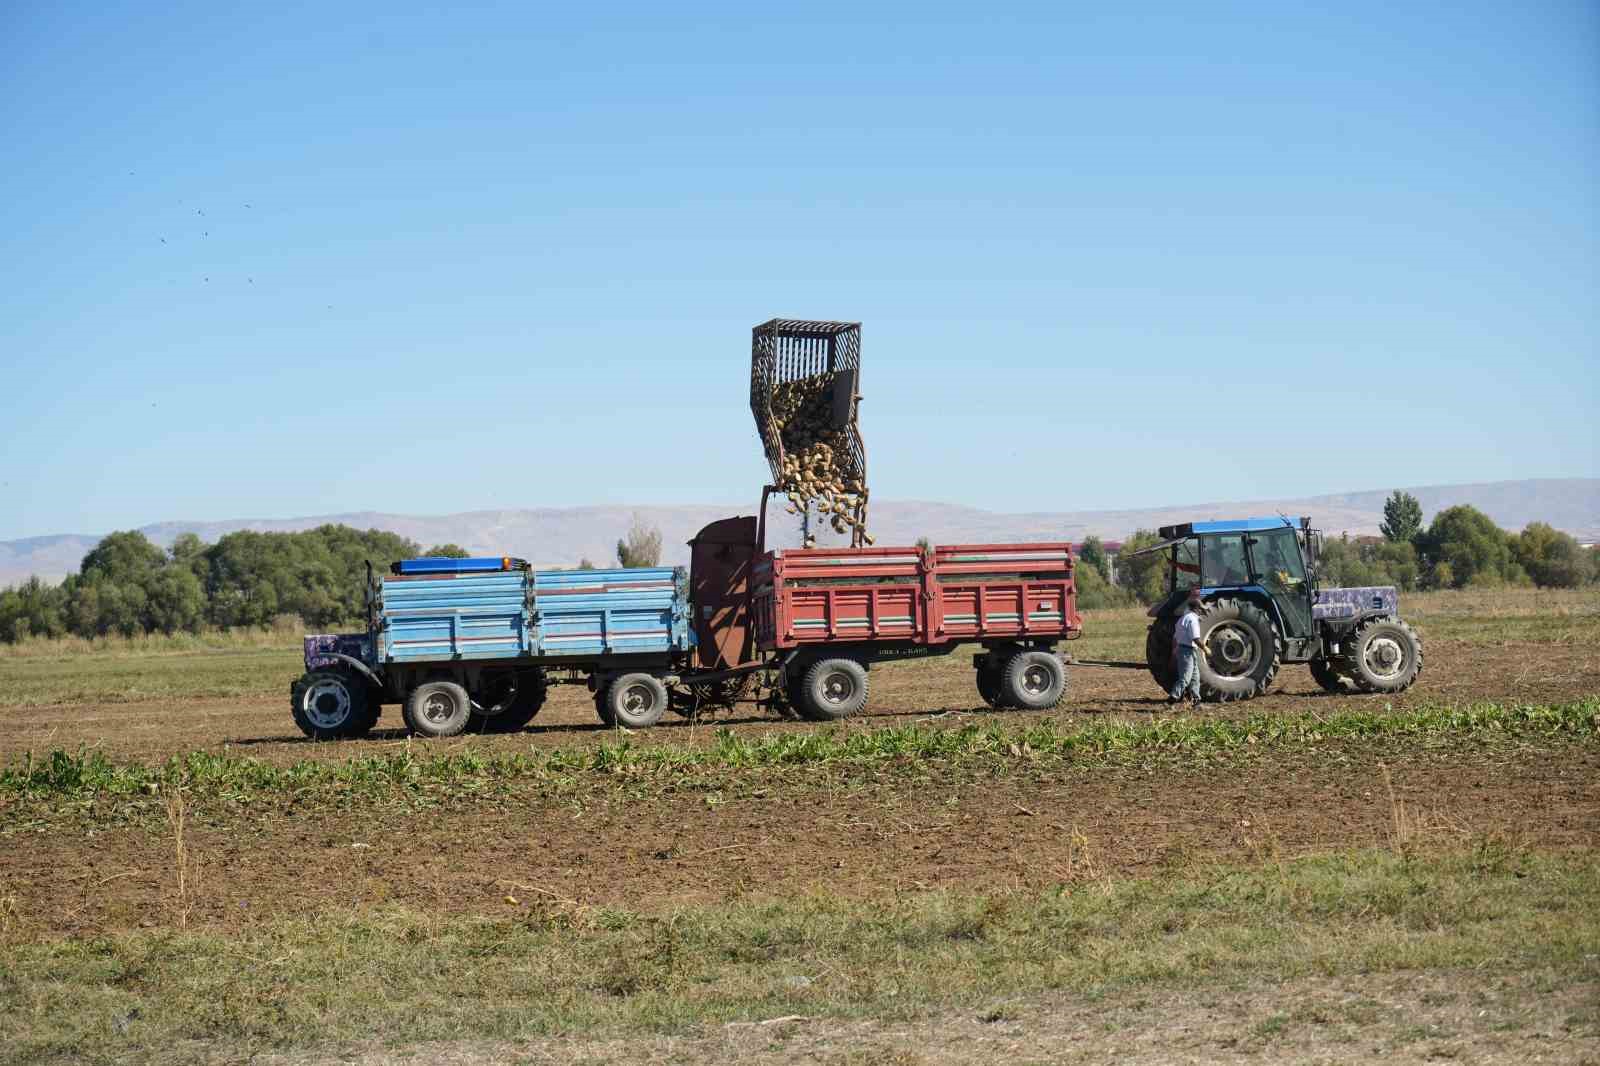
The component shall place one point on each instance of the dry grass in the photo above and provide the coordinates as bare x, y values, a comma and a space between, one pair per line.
400, 977
185, 864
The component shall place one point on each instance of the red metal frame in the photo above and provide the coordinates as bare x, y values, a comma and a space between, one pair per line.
954, 593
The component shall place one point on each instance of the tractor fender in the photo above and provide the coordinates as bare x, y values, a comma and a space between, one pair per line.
357, 663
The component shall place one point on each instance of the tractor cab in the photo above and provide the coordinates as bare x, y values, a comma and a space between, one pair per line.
1268, 559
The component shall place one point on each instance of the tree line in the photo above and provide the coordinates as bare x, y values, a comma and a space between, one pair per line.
1462, 547
127, 585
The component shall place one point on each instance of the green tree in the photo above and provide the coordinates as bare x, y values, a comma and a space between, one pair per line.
189, 552
1093, 552
127, 557
1340, 564
32, 609
586, 563
175, 600
447, 551
642, 545
1552, 558
1402, 518
1095, 592
1145, 577
1475, 550
1396, 562
924, 544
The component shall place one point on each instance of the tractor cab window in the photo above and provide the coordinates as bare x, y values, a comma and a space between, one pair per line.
1277, 557
1186, 565
1222, 560
1280, 568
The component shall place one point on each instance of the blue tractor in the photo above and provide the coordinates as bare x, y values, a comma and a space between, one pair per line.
1258, 580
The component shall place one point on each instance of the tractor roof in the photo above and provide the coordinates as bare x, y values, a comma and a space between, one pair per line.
1232, 525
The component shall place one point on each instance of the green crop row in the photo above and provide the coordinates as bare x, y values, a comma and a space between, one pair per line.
65, 774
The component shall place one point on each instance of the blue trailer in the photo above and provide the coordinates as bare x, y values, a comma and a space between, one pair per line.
475, 643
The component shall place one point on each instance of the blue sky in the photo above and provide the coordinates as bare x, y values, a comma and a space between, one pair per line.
299, 259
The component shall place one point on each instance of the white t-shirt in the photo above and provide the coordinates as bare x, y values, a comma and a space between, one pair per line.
1188, 632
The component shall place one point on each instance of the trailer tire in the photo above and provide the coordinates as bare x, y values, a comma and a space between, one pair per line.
514, 711
988, 682
601, 710
1033, 680
833, 689
1386, 656
331, 704
1247, 644
437, 709
635, 701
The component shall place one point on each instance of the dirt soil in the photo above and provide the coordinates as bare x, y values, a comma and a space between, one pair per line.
938, 691
819, 830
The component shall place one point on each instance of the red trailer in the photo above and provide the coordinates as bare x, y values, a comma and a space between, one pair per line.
815, 619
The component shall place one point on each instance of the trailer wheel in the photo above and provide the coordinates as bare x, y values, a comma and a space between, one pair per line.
601, 709
988, 682
438, 709
511, 703
636, 701
1386, 656
833, 689
1328, 675
332, 704
1033, 680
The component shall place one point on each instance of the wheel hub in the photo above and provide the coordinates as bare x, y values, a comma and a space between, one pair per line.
439, 708
1035, 679
1234, 651
637, 699
327, 704
1385, 656
838, 688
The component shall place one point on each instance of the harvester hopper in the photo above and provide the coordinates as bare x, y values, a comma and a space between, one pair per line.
804, 382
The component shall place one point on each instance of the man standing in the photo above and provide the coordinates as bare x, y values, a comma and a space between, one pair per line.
1185, 649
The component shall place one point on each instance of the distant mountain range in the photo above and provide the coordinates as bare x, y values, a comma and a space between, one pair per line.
561, 537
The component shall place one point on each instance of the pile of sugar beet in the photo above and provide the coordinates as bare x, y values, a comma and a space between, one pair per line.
817, 470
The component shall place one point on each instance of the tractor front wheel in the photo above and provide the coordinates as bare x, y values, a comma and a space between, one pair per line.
1386, 656
1242, 651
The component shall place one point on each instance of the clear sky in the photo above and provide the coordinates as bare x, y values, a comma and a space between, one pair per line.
288, 259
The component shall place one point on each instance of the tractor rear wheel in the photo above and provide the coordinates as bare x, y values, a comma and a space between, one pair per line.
1386, 656
333, 704
1328, 675
1158, 653
1242, 651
